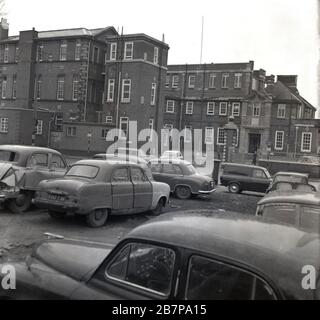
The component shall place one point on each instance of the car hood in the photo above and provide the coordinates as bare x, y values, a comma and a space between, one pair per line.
201, 178
64, 184
75, 259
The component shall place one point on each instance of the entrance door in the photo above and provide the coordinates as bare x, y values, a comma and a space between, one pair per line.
254, 142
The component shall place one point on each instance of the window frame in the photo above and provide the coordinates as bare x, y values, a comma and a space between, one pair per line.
4, 125
189, 107
63, 53
212, 80
226, 108
256, 106
77, 50
238, 104
224, 80
281, 111
306, 133
60, 88
206, 135
276, 140
212, 103
113, 51
237, 80
111, 88
175, 81
191, 81
128, 53
126, 83
155, 55
153, 94
171, 106
219, 143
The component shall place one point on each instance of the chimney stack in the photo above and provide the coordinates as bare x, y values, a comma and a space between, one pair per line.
289, 80
4, 29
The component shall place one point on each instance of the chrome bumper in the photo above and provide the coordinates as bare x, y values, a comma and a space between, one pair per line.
207, 192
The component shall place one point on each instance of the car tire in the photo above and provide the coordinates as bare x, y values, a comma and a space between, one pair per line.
234, 187
183, 192
20, 204
57, 215
160, 206
97, 218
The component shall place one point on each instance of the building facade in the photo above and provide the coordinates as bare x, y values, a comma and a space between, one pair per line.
83, 76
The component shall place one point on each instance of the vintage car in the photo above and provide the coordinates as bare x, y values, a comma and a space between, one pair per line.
126, 157
291, 180
182, 177
172, 154
242, 177
295, 207
21, 170
97, 188
177, 256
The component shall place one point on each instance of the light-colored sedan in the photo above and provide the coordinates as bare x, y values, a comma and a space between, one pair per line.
97, 188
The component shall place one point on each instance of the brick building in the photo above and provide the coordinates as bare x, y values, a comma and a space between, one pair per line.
267, 116
69, 73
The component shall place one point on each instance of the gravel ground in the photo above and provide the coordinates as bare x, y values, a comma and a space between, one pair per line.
18, 233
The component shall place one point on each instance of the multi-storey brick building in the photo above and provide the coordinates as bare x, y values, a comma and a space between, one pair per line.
69, 73
267, 116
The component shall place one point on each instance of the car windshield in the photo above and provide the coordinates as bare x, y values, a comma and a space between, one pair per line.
8, 156
83, 171
190, 169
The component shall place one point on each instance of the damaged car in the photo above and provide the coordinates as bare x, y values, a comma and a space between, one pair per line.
21, 170
97, 188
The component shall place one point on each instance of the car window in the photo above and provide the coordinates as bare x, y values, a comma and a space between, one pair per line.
156, 167
120, 175
177, 169
212, 280
243, 171
57, 162
38, 160
257, 173
310, 218
286, 213
137, 175
9, 156
190, 169
144, 265
83, 171
168, 168
290, 178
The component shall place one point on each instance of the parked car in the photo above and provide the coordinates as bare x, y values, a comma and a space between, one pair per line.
133, 152
290, 181
298, 208
22, 168
172, 154
125, 157
241, 177
97, 188
181, 256
182, 177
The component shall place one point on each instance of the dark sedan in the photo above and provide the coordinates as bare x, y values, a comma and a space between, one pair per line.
182, 177
176, 256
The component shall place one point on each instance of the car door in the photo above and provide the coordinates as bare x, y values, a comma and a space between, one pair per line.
58, 166
142, 189
134, 270
37, 169
156, 169
211, 279
169, 175
259, 181
122, 189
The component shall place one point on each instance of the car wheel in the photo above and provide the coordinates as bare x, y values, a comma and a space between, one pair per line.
234, 188
20, 204
183, 192
57, 215
97, 218
160, 206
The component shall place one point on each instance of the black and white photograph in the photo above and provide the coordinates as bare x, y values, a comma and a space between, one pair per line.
159, 151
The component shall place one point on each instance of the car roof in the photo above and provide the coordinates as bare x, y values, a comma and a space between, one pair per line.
292, 196
19, 148
129, 157
103, 163
287, 173
171, 160
276, 251
242, 165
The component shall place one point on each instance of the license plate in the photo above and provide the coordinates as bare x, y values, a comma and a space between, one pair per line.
56, 197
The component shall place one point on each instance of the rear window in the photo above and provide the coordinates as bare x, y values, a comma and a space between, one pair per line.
8, 156
292, 179
83, 171
286, 213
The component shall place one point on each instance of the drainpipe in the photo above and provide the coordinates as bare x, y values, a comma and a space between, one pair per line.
85, 101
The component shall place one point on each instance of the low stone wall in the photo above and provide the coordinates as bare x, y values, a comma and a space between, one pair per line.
275, 166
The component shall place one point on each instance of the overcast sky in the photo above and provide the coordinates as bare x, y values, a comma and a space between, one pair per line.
280, 36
